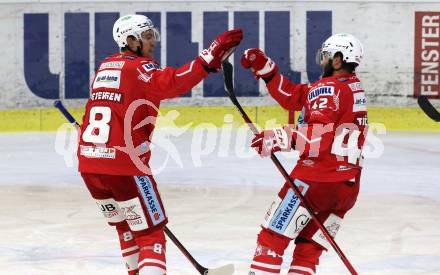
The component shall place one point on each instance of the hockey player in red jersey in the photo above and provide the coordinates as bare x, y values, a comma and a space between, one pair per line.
114, 142
329, 137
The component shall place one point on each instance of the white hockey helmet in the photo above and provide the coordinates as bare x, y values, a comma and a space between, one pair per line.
132, 25
350, 47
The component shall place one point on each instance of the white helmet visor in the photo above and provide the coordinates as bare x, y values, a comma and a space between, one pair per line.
155, 35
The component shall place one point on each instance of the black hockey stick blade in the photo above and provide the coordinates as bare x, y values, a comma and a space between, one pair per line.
428, 108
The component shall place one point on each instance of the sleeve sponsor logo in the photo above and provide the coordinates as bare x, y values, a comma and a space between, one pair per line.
317, 92
107, 79
112, 65
360, 102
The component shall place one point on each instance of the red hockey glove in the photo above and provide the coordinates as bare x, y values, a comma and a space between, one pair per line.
271, 141
261, 65
220, 49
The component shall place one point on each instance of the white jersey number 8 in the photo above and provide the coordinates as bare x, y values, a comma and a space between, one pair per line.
98, 130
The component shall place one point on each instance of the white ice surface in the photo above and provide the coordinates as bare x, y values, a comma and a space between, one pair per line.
49, 224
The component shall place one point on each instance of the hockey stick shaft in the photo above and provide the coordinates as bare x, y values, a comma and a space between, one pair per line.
202, 270
228, 77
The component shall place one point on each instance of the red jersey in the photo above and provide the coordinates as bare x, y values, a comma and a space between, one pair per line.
332, 127
120, 115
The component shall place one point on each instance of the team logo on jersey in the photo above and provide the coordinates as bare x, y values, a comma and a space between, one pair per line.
317, 92
112, 65
360, 102
107, 79
144, 77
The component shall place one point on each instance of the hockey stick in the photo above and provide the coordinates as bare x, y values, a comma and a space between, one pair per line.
228, 78
428, 108
223, 270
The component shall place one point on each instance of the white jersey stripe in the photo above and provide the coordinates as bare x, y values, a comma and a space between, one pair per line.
280, 85
130, 249
154, 261
266, 265
187, 71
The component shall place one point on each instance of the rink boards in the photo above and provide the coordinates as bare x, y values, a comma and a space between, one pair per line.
49, 119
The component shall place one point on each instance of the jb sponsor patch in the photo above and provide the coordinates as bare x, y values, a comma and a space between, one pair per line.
110, 209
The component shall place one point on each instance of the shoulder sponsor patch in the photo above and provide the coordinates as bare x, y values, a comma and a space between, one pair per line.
107, 79
319, 91
360, 102
356, 86
151, 66
112, 65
